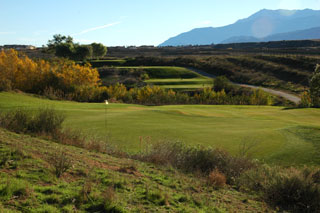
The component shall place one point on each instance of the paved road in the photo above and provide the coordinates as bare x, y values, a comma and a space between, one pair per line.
295, 99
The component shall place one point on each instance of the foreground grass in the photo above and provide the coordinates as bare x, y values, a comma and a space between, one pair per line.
288, 137
101, 183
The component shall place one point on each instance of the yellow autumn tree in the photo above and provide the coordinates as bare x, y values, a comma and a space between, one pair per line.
17, 71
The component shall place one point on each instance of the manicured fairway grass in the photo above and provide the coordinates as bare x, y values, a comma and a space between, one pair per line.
166, 72
282, 136
182, 84
180, 81
179, 78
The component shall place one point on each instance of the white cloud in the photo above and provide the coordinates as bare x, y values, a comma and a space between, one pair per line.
97, 28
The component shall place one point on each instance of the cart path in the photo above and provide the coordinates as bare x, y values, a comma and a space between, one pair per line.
295, 99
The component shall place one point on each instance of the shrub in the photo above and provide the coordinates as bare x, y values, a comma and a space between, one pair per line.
306, 101
259, 97
197, 159
47, 121
98, 50
290, 189
60, 162
217, 179
16, 120
222, 83
44, 120
294, 191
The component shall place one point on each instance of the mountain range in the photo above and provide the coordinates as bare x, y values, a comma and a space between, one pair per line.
265, 25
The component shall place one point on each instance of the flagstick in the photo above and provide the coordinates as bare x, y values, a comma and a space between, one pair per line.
105, 118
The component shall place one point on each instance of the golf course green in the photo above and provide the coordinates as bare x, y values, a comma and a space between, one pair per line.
276, 134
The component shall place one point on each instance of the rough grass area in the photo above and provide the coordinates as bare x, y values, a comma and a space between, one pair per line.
101, 183
274, 131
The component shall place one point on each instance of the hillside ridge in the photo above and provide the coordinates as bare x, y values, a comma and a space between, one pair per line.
259, 25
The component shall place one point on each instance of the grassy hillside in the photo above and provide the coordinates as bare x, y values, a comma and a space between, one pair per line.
281, 136
100, 183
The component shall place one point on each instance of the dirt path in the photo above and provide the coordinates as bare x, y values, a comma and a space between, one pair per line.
295, 99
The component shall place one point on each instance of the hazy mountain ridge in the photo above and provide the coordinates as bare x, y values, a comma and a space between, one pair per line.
259, 25
309, 34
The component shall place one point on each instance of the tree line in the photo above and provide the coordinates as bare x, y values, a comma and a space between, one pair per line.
64, 79
63, 46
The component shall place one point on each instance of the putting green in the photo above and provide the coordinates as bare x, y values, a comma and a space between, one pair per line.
281, 136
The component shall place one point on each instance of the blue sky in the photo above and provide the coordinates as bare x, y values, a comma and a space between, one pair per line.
124, 22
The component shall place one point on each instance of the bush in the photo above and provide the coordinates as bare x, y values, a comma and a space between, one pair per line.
197, 159
217, 179
290, 189
306, 101
43, 121
60, 162
47, 121
222, 83
16, 120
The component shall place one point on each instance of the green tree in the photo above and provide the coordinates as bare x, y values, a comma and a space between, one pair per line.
98, 50
82, 52
222, 83
65, 50
57, 40
315, 87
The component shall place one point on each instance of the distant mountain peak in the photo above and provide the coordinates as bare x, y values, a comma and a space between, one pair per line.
259, 25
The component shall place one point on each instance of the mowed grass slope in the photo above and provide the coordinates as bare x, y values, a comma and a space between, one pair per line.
281, 136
